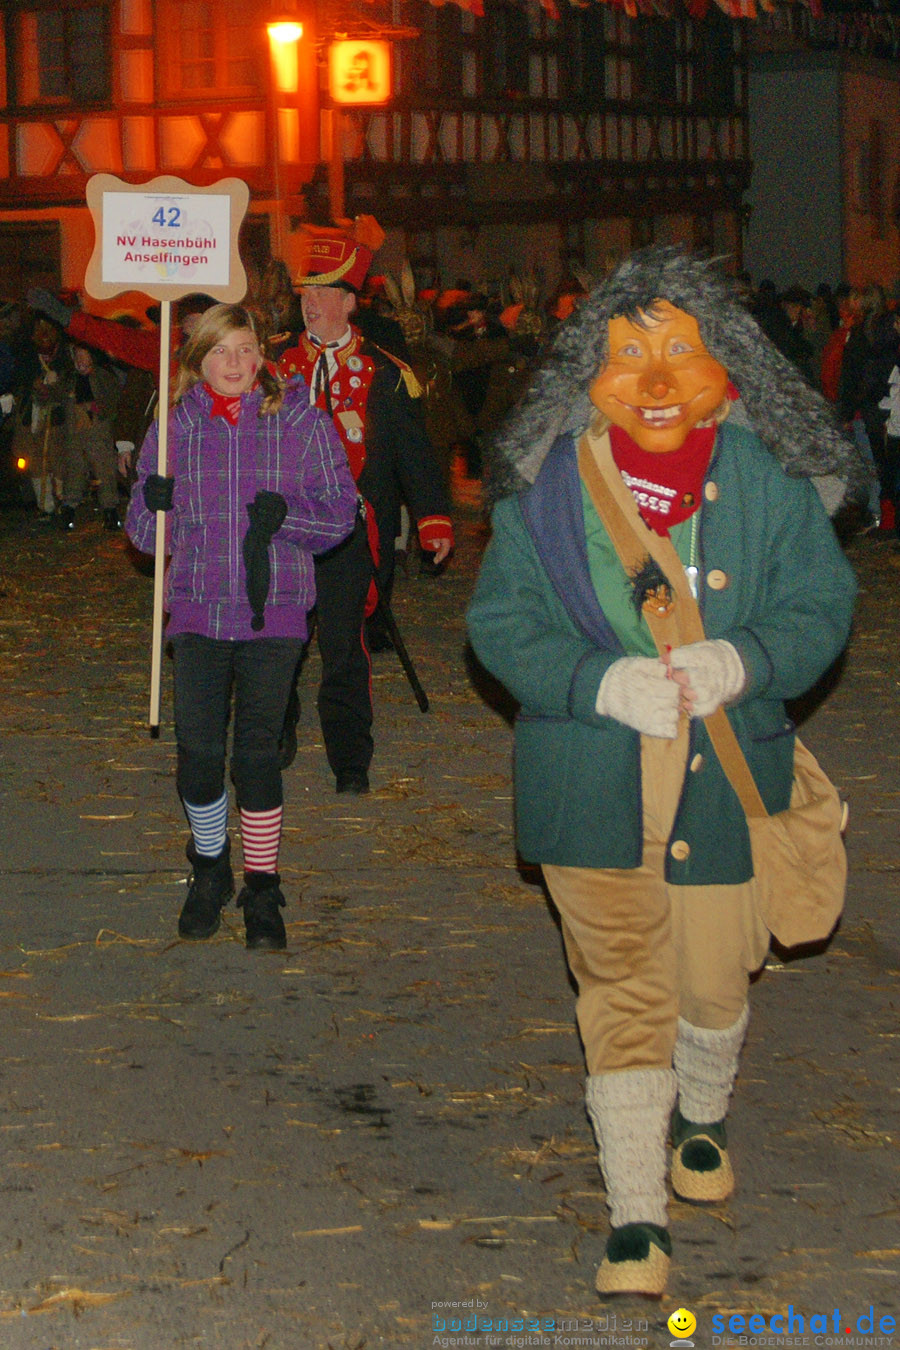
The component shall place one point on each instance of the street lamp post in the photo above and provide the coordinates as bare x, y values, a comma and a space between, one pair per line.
284, 33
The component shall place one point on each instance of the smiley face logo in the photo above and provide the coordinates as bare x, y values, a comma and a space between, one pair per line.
682, 1324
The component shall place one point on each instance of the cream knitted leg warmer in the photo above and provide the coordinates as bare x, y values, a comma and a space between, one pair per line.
630, 1111
706, 1064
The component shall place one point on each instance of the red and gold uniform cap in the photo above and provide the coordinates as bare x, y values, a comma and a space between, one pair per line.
339, 255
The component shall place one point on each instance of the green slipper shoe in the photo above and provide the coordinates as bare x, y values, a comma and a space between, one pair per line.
637, 1261
701, 1170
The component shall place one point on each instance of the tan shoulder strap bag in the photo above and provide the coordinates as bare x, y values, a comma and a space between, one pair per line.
799, 862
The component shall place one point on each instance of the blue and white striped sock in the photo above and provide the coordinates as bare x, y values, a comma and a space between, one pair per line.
209, 826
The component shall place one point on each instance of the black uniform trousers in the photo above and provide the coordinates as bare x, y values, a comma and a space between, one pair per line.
344, 703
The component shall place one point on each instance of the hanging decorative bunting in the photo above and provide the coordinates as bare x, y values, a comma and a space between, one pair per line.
696, 9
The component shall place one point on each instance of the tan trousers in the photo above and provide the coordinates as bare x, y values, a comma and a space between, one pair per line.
644, 953
87, 453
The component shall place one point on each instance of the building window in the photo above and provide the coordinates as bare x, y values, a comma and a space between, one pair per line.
63, 56
29, 256
714, 61
210, 48
434, 62
659, 62
505, 67
584, 52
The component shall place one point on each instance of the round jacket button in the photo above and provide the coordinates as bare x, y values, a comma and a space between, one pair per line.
681, 850
717, 580
711, 491
696, 764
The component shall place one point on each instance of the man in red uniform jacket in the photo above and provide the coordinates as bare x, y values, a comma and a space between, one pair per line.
370, 395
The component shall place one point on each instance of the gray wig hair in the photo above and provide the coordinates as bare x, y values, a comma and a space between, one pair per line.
787, 414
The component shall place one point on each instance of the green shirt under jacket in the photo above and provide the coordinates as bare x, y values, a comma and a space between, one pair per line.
773, 581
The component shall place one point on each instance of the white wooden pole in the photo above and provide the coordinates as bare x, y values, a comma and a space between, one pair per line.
159, 573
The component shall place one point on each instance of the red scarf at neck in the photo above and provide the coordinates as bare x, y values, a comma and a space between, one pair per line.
225, 405
667, 488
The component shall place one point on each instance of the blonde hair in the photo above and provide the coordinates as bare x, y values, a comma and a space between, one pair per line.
212, 328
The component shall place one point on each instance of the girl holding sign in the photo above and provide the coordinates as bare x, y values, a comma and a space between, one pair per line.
258, 484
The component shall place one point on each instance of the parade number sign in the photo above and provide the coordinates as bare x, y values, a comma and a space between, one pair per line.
166, 238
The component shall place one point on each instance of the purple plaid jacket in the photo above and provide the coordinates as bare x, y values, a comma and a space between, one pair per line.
218, 469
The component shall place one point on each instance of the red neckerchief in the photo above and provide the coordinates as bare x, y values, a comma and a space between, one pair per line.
225, 405
667, 488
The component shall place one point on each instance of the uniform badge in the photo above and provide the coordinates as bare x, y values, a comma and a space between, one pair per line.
355, 363
355, 381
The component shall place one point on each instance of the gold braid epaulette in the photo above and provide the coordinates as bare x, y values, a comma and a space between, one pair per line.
413, 387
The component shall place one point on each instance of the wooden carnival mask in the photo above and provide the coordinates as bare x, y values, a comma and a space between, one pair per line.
659, 381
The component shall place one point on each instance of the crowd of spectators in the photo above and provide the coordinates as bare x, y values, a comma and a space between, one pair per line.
846, 343
473, 349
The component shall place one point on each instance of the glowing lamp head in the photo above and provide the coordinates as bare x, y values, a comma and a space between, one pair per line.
284, 31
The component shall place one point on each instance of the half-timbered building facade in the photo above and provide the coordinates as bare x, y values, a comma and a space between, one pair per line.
516, 135
522, 134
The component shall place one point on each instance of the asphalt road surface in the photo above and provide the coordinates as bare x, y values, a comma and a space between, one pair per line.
377, 1138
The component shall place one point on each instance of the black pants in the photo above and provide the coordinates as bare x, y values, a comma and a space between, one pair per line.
261, 673
890, 481
345, 695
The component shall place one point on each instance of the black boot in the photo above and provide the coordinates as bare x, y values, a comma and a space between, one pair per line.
354, 781
111, 519
210, 887
261, 900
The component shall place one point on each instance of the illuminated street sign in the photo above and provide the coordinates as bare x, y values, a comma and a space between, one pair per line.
359, 72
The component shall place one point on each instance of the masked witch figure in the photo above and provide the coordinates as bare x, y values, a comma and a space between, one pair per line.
662, 384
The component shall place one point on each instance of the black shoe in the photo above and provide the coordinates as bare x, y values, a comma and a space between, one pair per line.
354, 781
67, 517
287, 742
210, 887
111, 519
261, 900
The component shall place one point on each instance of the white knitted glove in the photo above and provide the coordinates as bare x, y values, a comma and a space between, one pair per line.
715, 671
638, 691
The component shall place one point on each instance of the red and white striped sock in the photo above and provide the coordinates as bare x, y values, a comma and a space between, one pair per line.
261, 836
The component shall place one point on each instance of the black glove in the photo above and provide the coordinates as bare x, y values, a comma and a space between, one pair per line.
49, 305
158, 492
267, 512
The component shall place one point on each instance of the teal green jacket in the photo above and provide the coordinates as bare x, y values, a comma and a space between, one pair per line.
782, 593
